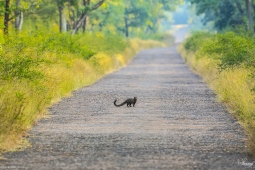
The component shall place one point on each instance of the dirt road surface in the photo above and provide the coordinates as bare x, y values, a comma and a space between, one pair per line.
176, 124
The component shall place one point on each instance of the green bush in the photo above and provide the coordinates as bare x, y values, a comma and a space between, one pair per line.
39, 68
61, 43
19, 68
196, 41
24, 54
41, 42
231, 49
109, 44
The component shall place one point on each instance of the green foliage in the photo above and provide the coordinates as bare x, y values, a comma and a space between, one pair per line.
109, 44
24, 54
195, 42
166, 38
37, 67
158, 36
64, 43
231, 49
223, 14
140, 16
110, 17
19, 68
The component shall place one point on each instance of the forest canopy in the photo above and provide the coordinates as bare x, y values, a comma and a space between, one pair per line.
226, 14
126, 17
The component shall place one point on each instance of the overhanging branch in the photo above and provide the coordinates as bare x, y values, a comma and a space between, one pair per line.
84, 15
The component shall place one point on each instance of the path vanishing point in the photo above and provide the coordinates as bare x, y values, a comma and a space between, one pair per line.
176, 123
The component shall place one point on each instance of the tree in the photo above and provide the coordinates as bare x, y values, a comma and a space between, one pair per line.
248, 13
224, 13
15, 10
119, 16
62, 19
130, 17
18, 16
146, 16
135, 15
6, 16
87, 9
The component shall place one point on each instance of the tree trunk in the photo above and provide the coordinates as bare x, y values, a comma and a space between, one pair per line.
84, 16
126, 27
62, 20
21, 18
18, 17
19, 21
84, 26
72, 21
6, 16
248, 13
126, 23
79, 23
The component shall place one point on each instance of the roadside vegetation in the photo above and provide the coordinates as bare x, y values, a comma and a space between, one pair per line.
38, 69
225, 56
48, 49
226, 62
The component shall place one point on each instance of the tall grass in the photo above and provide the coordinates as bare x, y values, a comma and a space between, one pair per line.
223, 60
164, 37
38, 69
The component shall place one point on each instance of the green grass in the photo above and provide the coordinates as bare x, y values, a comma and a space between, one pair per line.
225, 61
38, 69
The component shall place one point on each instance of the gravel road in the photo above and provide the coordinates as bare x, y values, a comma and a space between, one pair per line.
176, 123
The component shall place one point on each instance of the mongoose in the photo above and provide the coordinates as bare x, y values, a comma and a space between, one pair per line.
128, 101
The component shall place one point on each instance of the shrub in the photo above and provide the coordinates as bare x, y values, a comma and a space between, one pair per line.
195, 42
37, 69
19, 68
231, 49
